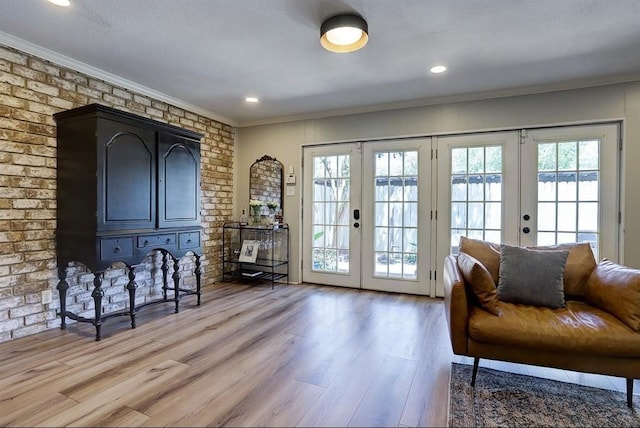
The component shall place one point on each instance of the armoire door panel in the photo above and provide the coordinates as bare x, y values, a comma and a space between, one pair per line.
179, 192
129, 191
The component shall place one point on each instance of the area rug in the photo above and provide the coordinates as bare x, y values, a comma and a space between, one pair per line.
507, 399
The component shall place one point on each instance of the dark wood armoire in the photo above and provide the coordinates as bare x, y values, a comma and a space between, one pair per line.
126, 186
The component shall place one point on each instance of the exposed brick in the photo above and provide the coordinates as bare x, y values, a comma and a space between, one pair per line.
43, 66
12, 79
100, 86
141, 100
43, 88
11, 302
122, 93
31, 91
73, 96
29, 95
116, 101
60, 83
13, 56
11, 324
29, 73
74, 76
21, 311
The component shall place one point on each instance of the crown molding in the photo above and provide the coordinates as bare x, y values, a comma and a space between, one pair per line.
449, 99
65, 61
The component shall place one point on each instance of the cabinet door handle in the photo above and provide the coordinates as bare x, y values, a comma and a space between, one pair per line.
167, 241
116, 250
145, 242
188, 241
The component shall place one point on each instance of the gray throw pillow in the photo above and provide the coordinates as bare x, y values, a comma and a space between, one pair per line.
532, 277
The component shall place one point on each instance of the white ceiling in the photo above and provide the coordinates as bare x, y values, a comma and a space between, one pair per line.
211, 54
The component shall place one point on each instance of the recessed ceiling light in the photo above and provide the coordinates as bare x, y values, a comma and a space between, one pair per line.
60, 2
438, 69
251, 99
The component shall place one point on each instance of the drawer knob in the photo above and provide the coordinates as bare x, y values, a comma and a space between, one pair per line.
116, 250
145, 242
167, 241
188, 241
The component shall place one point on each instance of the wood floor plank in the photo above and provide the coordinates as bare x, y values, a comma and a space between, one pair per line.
385, 399
297, 355
338, 403
108, 402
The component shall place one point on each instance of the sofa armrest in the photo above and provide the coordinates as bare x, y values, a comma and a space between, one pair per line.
456, 305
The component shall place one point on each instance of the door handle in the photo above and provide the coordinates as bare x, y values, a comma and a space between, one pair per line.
356, 214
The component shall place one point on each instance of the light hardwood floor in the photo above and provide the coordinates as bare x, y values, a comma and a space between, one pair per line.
300, 355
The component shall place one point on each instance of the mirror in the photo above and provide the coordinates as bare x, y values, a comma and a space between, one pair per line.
266, 184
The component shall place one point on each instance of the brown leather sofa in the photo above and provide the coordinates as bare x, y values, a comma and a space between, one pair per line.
587, 335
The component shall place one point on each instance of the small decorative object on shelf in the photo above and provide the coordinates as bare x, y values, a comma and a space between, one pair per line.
256, 208
273, 206
255, 253
244, 220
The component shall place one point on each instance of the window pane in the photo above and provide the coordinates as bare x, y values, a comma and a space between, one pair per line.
382, 164
567, 156
588, 217
567, 217
411, 215
458, 216
547, 157
493, 156
343, 261
476, 188
567, 186
459, 188
476, 160
547, 186
493, 215
546, 216
588, 186
382, 218
381, 239
493, 187
411, 163
396, 161
588, 155
381, 264
459, 161
546, 238
476, 216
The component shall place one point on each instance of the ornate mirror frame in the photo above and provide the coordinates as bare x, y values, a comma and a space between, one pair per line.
266, 182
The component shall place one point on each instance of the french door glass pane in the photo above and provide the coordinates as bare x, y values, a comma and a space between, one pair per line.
330, 216
568, 188
476, 193
396, 214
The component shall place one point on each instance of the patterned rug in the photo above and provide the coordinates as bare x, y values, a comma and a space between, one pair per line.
507, 399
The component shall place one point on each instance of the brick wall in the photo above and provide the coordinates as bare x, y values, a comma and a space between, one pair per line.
31, 91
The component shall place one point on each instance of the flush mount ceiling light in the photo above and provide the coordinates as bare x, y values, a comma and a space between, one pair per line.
344, 33
60, 2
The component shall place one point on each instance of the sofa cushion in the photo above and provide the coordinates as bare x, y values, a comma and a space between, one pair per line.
616, 289
580, 264
532, 277
485, 252
578, 328
480, 281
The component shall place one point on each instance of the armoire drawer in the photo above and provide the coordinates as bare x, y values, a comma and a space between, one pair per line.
188, 240
116, 248
156, 241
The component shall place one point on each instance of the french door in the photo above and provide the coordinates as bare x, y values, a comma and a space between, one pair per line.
366, 216
383, 215
530, 187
